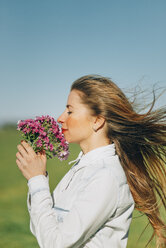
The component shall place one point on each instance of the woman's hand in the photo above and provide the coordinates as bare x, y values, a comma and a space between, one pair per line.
30, 163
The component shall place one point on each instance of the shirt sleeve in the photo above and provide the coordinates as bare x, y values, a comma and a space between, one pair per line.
91, 209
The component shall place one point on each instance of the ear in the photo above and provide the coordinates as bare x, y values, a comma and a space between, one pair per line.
98, 123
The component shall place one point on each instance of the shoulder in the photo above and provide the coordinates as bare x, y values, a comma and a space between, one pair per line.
101, 174
105, 169
106, 179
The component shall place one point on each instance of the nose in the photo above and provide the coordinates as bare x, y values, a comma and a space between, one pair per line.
61, 118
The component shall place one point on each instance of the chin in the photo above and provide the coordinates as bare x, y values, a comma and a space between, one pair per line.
67, 139
70, 140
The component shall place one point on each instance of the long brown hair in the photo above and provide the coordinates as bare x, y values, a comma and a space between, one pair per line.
140, 141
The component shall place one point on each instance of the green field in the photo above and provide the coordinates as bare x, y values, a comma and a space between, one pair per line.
14, 219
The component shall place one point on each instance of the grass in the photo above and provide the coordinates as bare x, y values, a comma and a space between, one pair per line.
14, 218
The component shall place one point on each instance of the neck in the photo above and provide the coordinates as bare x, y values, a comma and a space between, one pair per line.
94, 143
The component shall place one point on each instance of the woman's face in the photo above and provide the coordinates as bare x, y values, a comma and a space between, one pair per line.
76, 120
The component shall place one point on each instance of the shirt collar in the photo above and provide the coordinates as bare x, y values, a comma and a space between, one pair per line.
89, 157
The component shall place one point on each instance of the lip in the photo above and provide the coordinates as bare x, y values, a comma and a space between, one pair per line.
64, 130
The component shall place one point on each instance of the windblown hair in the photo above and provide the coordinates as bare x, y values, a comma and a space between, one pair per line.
140, 141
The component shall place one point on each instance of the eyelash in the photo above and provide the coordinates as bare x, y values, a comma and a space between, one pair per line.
69, 112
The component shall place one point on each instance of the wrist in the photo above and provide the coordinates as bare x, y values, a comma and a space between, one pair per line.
37, 184
44, 174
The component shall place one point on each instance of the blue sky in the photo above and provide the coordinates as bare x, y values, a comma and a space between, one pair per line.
46, 45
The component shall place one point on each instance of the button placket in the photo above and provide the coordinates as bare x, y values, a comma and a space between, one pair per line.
73, 170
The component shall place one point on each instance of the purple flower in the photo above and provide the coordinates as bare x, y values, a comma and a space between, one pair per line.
51, 147
46, 139
44, 133
63, 155
39, 143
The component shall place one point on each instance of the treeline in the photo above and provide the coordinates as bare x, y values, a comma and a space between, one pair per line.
8, 126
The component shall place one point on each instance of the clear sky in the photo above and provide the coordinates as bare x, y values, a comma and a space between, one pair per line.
46, 45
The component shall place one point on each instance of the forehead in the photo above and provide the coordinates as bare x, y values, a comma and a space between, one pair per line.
74, 98
75, 102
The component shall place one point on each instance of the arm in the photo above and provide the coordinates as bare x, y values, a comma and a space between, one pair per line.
93, 206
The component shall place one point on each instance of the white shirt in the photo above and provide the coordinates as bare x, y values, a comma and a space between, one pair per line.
91, 207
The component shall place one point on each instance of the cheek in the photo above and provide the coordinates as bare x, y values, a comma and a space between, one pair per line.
72, 123
77, 123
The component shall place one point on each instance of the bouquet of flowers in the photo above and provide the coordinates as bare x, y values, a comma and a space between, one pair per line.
43, 133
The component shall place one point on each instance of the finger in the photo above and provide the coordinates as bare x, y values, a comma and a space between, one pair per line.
21, 159
20, 167
41, 153
42, 156
19, 156
22, 150
18, 163
28, 148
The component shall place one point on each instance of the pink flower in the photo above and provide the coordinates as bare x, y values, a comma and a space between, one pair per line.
46, 139
51, 147
63, 155
44, 133
35, 130
46, 146
28, 130
25, 130
55, 129
39, 143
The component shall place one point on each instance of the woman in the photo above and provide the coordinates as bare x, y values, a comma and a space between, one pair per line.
121, 165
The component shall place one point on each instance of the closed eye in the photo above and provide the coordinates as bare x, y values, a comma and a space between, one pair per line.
69, 112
